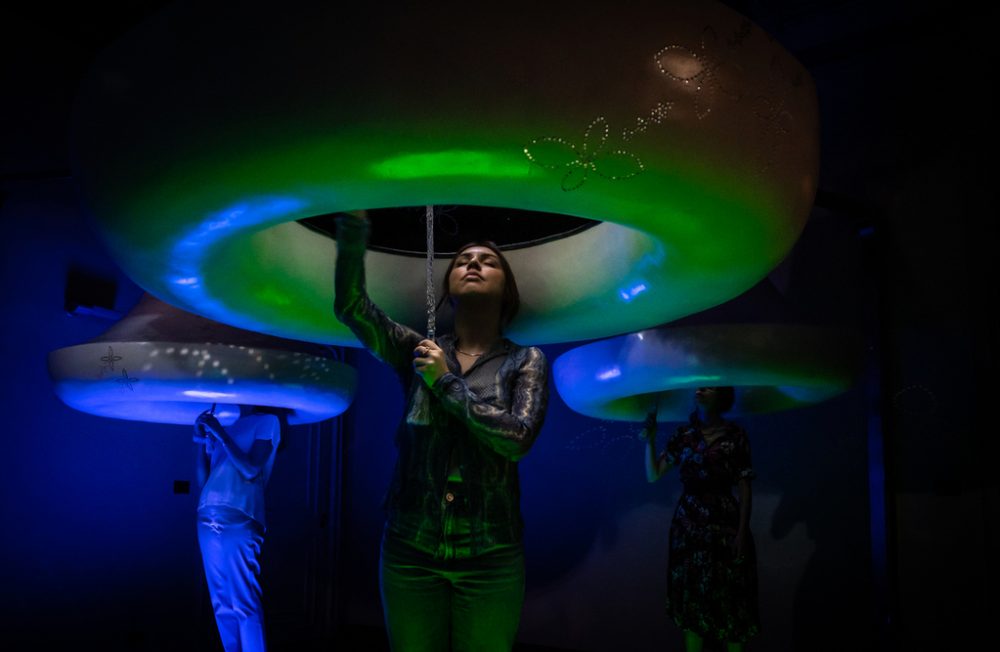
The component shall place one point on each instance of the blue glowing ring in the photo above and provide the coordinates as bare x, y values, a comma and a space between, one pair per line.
772, 366
174, 382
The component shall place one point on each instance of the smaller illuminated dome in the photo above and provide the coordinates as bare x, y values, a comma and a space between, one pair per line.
163, 365
773, 367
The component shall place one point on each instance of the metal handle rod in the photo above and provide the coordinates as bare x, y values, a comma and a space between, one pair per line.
431, 320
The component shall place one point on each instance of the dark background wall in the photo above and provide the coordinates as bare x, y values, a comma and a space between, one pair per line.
97, 545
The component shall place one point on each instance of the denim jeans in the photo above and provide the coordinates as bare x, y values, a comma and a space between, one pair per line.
450, 599
230, 549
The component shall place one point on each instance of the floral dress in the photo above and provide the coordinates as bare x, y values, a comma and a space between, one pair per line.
709, 591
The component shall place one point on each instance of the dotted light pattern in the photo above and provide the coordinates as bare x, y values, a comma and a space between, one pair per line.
699, 69
916, 399
174, 382
696, 71
607, 439
580, 160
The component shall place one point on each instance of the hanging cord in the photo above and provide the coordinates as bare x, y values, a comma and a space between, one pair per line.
431, 319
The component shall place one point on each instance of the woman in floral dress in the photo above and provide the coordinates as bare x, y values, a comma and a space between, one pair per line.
712, 572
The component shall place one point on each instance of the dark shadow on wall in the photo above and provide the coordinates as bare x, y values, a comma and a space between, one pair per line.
824, 482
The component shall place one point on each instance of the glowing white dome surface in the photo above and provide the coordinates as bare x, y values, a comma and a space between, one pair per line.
190, 363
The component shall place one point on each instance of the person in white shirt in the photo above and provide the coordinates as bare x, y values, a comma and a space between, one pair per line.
234, 466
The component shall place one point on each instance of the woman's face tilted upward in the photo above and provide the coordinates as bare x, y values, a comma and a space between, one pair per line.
476, 272
481, 272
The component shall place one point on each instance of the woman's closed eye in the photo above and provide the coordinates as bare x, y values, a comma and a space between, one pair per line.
464, 261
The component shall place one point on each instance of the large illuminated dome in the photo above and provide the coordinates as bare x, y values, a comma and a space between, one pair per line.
205, 135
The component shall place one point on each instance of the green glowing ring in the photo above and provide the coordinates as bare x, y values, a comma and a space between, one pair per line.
204, 134
772, 366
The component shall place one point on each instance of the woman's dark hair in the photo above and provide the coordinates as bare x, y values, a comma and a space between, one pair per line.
510, 302
726, 397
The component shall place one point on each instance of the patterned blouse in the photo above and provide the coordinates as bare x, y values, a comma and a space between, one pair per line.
483, 420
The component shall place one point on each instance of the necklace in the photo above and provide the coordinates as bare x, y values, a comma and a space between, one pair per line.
471, 355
